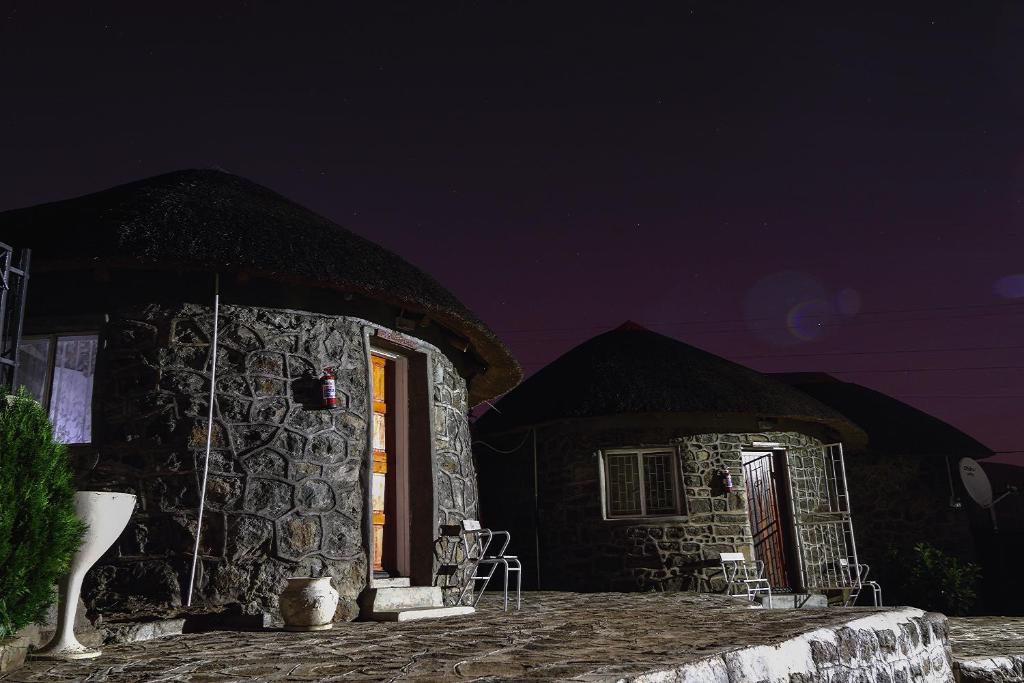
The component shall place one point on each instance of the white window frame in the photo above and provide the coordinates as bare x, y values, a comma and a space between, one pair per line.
51, 361
639, 452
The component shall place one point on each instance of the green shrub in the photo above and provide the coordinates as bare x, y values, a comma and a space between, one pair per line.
39, 532
934, 581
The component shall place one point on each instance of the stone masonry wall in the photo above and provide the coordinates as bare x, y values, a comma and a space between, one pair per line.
286, 491
457, 497
582, 551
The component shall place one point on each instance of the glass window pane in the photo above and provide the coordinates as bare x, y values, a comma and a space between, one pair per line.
71, 392
659, 483
34, 366
623, 485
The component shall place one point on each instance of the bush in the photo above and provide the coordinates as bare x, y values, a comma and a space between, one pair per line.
39, 532
935, 581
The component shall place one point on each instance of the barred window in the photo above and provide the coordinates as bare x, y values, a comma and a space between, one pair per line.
640, 482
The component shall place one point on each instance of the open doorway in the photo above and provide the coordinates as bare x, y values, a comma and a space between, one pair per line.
402, 538
767, 508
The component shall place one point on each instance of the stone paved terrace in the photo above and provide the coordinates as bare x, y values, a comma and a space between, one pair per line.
557, 636
988, 649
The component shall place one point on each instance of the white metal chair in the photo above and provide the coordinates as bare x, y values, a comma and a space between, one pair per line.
744, 577
476, 543
857, 575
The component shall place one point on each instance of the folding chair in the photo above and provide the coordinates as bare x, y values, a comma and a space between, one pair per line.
744, 577
476, 542
857, 575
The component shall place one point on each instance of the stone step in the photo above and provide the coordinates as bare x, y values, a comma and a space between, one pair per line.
793, 600
396, 599
422, 613
391, 583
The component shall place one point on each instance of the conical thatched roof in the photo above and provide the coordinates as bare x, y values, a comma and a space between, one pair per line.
892, 426
209, 220
632, 370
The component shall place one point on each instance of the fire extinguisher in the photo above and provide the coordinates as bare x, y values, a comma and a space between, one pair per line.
727, 480
329, 388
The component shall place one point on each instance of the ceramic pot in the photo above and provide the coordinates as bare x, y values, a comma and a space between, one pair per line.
308, 604
106, 515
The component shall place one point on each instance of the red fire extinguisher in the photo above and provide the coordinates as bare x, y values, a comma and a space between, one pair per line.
727, 481
329, 388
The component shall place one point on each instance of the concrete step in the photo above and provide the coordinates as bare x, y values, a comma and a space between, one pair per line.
793, 600
390, 583
422, 613
397, 599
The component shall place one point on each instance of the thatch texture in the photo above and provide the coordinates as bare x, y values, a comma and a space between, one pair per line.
892, 426
633, 370
209, 220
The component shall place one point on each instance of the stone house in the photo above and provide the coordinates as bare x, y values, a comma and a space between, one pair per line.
118, 346
608, 466
904, 480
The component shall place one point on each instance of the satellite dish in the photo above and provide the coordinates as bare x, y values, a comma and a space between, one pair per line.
976, 482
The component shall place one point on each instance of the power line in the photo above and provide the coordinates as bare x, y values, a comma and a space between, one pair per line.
747, 320
885, 370
985, 396
781, 328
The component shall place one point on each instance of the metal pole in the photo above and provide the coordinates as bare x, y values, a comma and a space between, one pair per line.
209, 436
536, 507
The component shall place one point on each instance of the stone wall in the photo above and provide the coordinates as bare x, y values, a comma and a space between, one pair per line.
286, 489
581, 551
456, 476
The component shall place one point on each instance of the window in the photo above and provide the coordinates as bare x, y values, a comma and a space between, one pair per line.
58, 370
641, 483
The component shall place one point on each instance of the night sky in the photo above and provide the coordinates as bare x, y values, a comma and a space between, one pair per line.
797, 188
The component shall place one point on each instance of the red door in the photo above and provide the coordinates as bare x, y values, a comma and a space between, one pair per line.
766, 522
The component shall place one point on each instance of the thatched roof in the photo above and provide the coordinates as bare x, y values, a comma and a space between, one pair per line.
210, 220
632, 370
892, 426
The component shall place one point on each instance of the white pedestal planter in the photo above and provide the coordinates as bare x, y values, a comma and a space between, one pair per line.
107, 514
308, 604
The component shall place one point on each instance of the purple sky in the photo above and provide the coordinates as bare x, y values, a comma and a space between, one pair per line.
730, 174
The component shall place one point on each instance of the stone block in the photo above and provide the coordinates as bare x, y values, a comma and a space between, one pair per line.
328, 448
266, 461
248, 536
314, 495
270, 497
266, 363
298, 536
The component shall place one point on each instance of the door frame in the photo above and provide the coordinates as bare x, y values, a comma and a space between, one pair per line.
419, 463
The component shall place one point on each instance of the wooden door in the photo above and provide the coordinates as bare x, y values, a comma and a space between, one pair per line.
766, 523
380, 458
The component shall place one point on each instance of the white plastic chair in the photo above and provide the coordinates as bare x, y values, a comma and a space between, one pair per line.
476, 542
744, 577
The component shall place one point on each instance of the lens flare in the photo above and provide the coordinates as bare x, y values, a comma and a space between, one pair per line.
1010, 286
848, 302
788, 308
807, 320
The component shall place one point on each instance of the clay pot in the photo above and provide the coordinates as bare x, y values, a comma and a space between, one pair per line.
308, 604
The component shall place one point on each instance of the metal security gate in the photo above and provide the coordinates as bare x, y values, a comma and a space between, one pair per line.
766, 522
13, 290
824, 528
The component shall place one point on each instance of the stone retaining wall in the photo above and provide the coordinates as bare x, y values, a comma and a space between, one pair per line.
886, 647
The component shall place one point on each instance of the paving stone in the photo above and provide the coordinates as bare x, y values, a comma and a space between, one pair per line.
593, 637
988, 649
